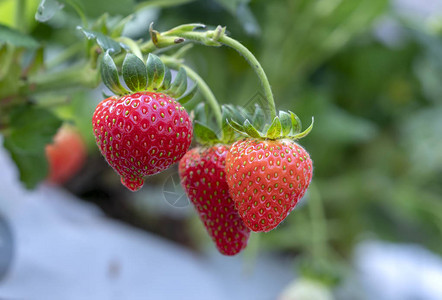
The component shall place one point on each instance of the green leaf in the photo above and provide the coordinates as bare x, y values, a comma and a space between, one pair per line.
274, 130
286, 122
250, 130
179, 85
189, 95
155, 71
105, 42
47, 9
134, 73
204, 134
109, 75
31, 129
296, 124
16, 38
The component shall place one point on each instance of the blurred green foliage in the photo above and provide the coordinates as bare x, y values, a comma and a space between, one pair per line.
376, 144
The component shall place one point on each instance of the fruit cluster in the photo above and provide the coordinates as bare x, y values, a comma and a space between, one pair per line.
239, 180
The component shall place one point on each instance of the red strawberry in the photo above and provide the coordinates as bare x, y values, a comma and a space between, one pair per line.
66, 155
266, 179
141, 134
202, 173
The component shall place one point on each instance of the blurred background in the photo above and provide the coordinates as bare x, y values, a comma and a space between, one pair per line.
370, 226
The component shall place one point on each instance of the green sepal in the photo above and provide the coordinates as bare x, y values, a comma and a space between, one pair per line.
109, 74
258, 118
305, 132
203, 134
155, 71
296, 124
286, 123
167, 79
184, 28
236, 126
200, 112
250, 130
189, 95
275, 129
179, 85
228, 133
134, 73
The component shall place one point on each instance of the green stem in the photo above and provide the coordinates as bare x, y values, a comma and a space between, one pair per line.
202, 86
215, 38
20, 15
256, 66
318, 224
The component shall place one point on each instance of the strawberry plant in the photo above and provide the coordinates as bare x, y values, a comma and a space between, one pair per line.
238, 179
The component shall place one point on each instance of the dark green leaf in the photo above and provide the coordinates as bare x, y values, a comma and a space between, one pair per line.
31, 129
155, 71
109, 75
47, 9
203, 134
16, 38
274, 130
134, 73
105, 42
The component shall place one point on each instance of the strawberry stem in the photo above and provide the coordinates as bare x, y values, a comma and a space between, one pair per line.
202, 86
256, 66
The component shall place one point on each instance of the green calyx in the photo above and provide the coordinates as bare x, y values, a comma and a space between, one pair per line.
285, 126
152, 76
206, 136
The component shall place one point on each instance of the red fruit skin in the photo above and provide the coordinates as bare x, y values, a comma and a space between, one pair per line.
141, 134
266, 180
202, 173
66, 155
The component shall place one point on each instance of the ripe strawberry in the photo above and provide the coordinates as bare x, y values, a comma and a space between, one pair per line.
202, 173
66, 155
266, 179
141, 134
